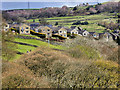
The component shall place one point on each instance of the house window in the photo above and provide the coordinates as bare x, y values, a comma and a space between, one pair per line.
48, 34
94, 35
84, 33
27, 31
6, 25
27, 27
43, 29
76, 32
48, 30
60, 31
39, 30
72, 32
64, 35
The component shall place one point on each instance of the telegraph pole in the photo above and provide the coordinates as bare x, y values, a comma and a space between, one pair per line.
28, 5
97, 1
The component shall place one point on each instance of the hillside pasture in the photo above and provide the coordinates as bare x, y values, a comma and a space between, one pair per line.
91, 19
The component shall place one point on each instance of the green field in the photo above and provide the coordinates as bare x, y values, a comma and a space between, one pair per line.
25, 48
38, 43
91, 19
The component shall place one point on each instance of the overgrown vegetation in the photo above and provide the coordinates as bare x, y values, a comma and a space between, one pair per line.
8, 49
58, 69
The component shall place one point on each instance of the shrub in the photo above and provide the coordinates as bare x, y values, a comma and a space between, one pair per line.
56, 23
60, 70
85, 52
15, 81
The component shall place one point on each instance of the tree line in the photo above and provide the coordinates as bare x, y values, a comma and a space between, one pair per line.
21, 15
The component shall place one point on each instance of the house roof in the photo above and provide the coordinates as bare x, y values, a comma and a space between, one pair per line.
60, 26
91, 33
68, 29
55, 29
14, 25
23, 24
34, 24
116, 31
73, 27
40, 27
80, 28
63, 28
81, 31
101, 33
49, 25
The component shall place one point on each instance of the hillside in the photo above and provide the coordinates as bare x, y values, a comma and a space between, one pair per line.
75, 67
84, 55
114, 0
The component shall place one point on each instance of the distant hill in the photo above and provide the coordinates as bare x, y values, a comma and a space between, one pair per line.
114, 0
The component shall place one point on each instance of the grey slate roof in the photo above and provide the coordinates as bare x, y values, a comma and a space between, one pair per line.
81, 31
91, 33
73, 27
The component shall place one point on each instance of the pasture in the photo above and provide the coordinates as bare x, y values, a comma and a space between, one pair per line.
91, 19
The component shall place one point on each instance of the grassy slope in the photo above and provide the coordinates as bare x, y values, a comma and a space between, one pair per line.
25, 48
38, 43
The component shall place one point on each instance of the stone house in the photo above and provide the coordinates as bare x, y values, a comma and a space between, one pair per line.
24, 29
94, 35
33, 26
21, 28
55, 30
91, 35
6, 26
74, 30
79, 28
45, 30
105, 36
38, 29
62, 32
83, 33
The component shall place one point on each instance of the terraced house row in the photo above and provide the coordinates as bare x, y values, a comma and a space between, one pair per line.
49, 31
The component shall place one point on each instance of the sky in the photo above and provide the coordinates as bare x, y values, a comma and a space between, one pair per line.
53, 0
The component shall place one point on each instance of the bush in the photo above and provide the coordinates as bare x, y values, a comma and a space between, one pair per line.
85, 52
8, 48
75, 8
60, 70
80, 23
56, 23
15, 81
